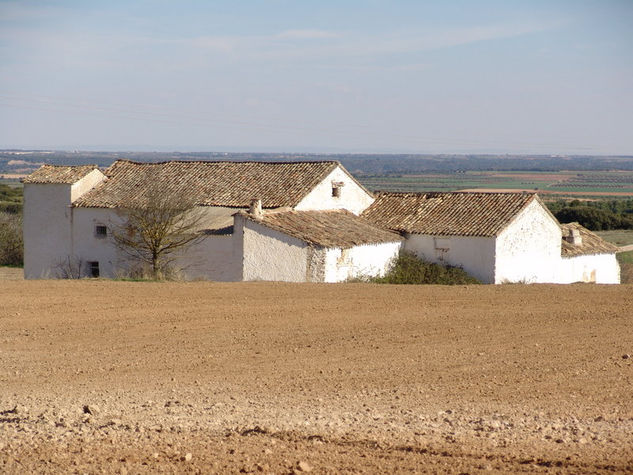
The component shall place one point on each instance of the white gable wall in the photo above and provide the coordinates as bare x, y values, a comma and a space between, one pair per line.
368, 260
476, 255
86, 184
528, 250
597, 268
353, 197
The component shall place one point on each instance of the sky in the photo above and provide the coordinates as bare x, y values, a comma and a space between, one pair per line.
330, 76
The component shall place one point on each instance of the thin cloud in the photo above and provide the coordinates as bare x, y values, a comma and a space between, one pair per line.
307, 34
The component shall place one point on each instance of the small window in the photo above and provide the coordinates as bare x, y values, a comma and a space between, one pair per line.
93, 268
337, 188
101, 231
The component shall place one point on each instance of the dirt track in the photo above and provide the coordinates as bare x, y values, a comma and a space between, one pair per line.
343, 378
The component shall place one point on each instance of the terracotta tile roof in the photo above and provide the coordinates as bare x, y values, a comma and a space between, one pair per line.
591, 243
455, 214
325, 228
55, 174
231, 184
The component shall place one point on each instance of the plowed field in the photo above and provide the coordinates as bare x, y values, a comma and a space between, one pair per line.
124, 377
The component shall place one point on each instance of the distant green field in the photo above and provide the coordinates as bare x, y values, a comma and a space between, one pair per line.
578, 184
619, 237
11, 182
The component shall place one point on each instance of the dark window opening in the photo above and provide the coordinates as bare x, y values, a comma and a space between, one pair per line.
337, 187
101, 231
93, 268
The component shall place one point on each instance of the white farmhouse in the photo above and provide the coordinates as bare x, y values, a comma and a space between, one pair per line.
496, 237
300, 222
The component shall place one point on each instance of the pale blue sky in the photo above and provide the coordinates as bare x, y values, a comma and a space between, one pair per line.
500, 76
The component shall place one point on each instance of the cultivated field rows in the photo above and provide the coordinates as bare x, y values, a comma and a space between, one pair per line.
267, 377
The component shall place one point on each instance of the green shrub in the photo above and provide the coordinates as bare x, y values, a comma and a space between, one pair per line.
11, 246
409, 269
593, 218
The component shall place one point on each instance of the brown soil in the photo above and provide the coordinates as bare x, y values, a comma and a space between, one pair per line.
280, 378
11, 273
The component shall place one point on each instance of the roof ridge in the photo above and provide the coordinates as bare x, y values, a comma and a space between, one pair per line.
70, 166
163, 162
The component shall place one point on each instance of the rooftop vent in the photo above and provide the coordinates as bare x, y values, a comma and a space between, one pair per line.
574, 237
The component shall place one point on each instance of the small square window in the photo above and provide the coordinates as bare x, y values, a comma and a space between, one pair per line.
93, 268
101, 231
337, 187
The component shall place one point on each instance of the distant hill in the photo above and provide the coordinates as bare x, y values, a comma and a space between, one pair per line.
24, 161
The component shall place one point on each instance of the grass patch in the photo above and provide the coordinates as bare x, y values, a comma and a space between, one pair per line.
619, 237
409, 269
626, 267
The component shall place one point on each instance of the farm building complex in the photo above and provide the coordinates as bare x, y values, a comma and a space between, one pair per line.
300, 222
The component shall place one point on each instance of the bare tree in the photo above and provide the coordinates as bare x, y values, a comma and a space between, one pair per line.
156, 228
69, 268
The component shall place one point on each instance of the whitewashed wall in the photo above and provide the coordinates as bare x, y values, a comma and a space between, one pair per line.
598, 268
46, 228
87, 246
213, 258
369, 260
269, 254
528, 250
353, 198
476, 255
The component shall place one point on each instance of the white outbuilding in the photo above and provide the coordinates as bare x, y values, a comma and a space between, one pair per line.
495, 237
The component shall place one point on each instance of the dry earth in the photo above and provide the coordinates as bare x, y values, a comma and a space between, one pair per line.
124, 377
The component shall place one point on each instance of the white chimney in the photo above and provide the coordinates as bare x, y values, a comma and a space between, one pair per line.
574, 237
255, 209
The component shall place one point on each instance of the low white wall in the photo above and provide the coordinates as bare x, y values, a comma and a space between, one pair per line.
212, 258
369, 260
476, 255
528, 250
353, 198
598, 268
271, 255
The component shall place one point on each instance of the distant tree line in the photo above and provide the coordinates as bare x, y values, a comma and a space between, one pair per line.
359, 164
600, 215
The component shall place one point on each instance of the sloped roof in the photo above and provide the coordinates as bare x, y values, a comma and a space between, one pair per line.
455, 213
325, 228
591, 243
231, 184
57, 174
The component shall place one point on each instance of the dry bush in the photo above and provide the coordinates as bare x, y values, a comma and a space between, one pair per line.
11, 244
